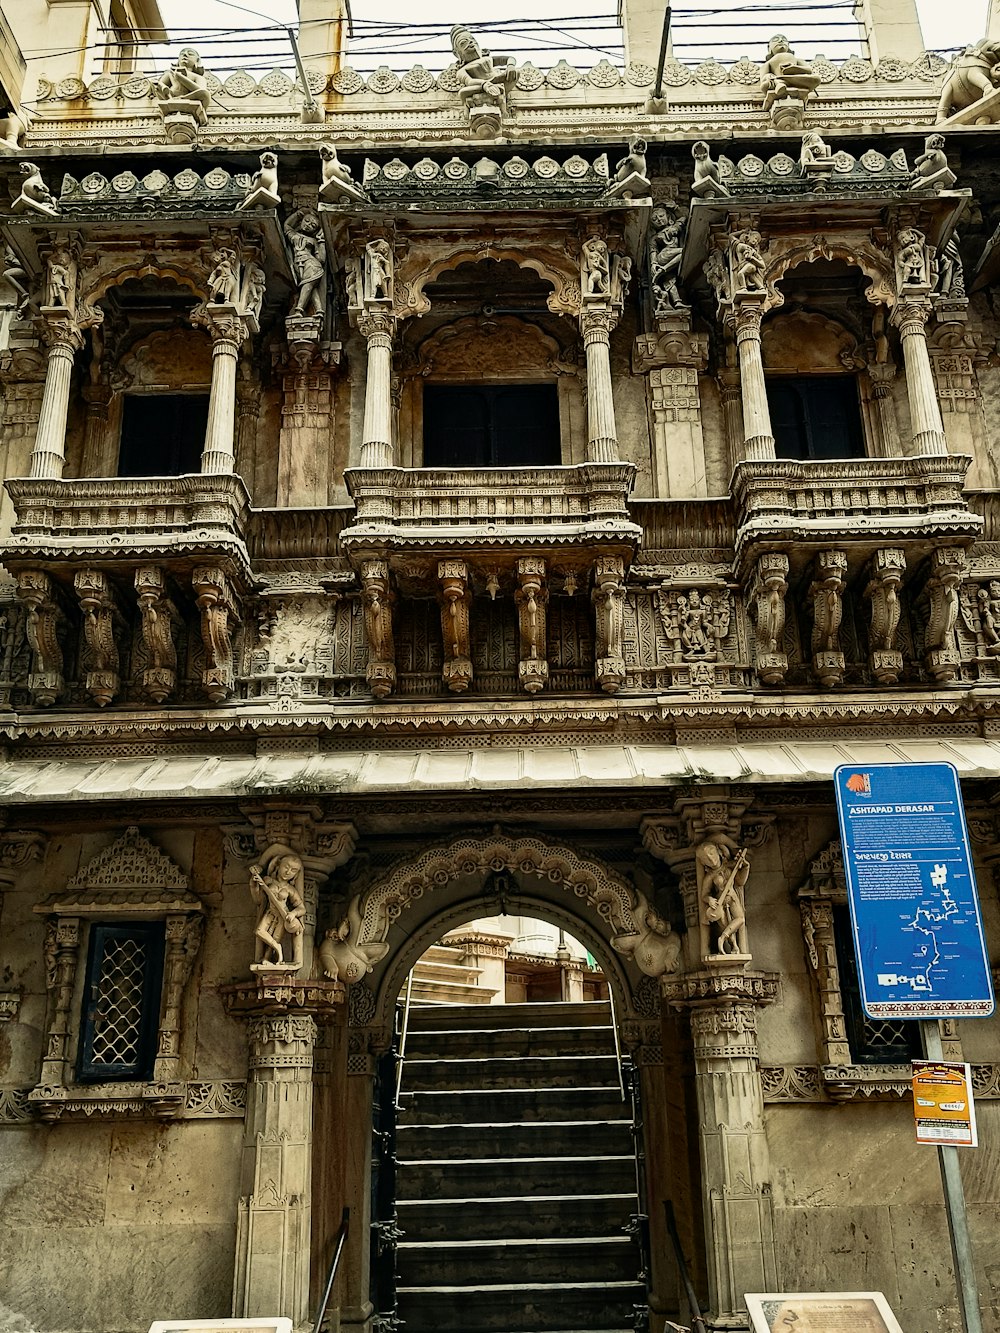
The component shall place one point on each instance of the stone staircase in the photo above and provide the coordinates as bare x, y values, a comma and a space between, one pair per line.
516, 1173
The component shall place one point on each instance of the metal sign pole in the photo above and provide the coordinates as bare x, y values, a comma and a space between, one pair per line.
954, 1201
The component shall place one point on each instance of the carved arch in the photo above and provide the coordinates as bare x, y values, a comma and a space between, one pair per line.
873, 263
465, 348
555, 267
101, 280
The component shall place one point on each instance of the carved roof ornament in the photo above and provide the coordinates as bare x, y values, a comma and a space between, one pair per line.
483, 83
183, 95
35, 196
186, 194
132, 875
788, 83
970, 95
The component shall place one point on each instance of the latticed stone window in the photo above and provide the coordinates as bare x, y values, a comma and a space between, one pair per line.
122, 1001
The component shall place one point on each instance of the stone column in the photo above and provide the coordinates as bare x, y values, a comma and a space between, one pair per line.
735, 1159
732, 410
305, 454
602, 436
274, 1216
910, 317
674, 363
758, 441
228, 332
376, 440
64, 338
881, 375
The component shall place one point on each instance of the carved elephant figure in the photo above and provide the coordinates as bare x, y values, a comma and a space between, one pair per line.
344, 955
654, 946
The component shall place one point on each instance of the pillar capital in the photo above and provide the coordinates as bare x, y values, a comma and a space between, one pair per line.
224, 324
910, 315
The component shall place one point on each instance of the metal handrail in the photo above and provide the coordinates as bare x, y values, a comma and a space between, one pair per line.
331, 1277
618, 1045
401, 1056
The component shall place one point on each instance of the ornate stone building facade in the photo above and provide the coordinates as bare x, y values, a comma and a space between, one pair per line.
431, 494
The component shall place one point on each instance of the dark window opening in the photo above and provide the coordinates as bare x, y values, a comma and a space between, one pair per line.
872, 1041
815, 416
163, 434
121, 1003
491, 425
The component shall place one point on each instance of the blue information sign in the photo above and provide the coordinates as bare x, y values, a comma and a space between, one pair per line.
918, 934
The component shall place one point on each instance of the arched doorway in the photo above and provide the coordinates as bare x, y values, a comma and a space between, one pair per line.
417, 900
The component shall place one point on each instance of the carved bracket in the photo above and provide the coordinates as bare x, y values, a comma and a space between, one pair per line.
609, 612
160, 621
219, 617
101, 616
826, 595
45, 620
531, 598
947, 570
378, 599
456, 598
885, 575
766, 604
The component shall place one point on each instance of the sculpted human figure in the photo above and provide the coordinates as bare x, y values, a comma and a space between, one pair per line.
722, 876
785, 76
911, 257
278, 895
974, 77
707, 182
483, 79
184, 81
748, 263
254, 289
16, 275
665, 252
224, 279
59, 279
35, 196
596, 270
378, 270
951, 272
305, 236
989, 615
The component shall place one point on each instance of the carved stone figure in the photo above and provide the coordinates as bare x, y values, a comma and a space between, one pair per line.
305, 236
484, 81
912, 261
722, 873
816, 159
931, 170
748, 262
595, 270
654, 947
59, 279
16, 276
224, 279
950, 270
184, 81
378, 270
337, 182
351, 950
980, 609
263, 191
665, 250
254, 290
974, 76
787, 83
695, 623
35, 196
707, 182
278, 896
631, 180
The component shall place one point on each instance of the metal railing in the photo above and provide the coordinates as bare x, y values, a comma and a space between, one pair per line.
331, 1277
403, 1030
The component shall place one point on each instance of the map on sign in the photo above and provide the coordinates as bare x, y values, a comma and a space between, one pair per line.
914, 907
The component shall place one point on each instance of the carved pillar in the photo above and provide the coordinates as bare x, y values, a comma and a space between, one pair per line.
62, 939
758, 440
941, 655
767, 610
882, 375
219, 618
609, 612
732, 410
97, 602
821, 949
96, 446
64, 338
228, 331
456, 598
826, 594
378, 598
531, 599
376, 440
304, 447
159, 617
602, 434
43, 623
183, 937
910, 317
735, 1159
885, 576
248, 396
673, 363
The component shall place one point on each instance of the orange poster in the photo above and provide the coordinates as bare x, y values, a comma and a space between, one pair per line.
943, 1105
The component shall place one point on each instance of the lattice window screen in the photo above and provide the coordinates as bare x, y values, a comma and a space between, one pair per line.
122, 1001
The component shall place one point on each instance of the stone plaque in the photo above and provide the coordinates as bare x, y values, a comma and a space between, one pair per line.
821, 1312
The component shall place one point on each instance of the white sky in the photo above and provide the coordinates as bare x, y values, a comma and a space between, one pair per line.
947, 24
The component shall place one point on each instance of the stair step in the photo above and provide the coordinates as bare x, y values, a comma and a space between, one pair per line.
539, 1138
520, 1307
471, 1263
477, 1042
443, 1105
511, 1072
502, 1016
563, 1215
488, 1176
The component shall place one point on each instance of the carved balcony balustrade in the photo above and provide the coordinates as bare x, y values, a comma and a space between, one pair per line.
138, 581
874, 525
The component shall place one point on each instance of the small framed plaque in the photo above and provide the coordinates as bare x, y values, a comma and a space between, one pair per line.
821, 1312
